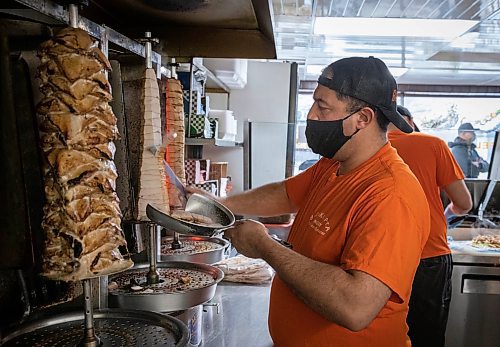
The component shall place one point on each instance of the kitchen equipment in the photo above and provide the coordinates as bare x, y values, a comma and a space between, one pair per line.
175, 180
198, 204
197, 249
114, 327
153, 276
106, 327
193, 318
475, 299
182, 285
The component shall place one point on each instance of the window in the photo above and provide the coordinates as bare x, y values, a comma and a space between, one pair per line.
438, 116
441, 116
304, 157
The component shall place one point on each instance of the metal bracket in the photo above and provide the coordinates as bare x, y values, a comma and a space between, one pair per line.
59, 13
148, 43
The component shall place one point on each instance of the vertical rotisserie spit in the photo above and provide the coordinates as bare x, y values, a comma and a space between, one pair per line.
77, 127
175, 149
152, 182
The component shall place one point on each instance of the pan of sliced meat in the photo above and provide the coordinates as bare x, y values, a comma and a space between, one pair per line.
202, 216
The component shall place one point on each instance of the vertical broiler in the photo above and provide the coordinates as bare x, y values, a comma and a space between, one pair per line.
82, 221
83, 238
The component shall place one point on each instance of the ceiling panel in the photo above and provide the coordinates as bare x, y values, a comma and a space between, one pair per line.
426, 59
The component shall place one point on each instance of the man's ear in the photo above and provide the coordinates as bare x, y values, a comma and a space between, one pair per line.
365, 117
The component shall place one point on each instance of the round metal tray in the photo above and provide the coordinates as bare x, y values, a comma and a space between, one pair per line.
171, 301
114, 327
204, 257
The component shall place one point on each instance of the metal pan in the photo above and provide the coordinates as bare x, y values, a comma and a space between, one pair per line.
206, 257
168, 300
198, 204
115, 327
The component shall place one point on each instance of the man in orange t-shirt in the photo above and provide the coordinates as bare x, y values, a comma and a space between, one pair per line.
433, 164
362, 220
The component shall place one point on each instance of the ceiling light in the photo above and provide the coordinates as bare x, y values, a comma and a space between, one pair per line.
467, 40
392, 27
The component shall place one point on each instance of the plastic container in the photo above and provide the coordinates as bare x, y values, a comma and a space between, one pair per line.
227, 124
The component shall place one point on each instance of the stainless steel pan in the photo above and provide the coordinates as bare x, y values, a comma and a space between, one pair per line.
198, 204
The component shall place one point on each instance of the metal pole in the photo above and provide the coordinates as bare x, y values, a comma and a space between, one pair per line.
173, 68
73, 15
149, 63
191, 76
153, 276
90, 339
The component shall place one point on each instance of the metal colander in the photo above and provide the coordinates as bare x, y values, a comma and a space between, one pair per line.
171, 281
171, 294
196, 249
114, 328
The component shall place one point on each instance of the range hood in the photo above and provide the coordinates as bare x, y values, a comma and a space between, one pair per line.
193, 28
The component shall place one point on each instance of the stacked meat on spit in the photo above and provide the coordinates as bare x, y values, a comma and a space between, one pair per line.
77, 127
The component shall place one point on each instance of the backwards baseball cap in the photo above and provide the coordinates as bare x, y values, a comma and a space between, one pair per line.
369, 80
466, 127
405, 112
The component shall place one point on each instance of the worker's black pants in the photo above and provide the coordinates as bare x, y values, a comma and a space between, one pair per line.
430, 301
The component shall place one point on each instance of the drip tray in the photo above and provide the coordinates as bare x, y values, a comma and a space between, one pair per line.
113, 327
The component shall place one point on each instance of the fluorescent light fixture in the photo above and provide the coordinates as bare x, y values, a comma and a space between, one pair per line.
392, 27
465, 41
397, 71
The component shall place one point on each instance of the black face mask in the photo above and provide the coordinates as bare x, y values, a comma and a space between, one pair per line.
327, 137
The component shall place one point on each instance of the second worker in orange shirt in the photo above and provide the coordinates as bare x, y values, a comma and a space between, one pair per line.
362, 220
430, 159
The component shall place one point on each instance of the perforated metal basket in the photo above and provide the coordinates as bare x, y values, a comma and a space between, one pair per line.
167, 296
114, 327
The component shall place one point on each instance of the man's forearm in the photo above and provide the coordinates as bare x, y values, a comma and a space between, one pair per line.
326, 289
268, 200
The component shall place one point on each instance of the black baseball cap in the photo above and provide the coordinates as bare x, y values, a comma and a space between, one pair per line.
405, 112
466, 127
369, 80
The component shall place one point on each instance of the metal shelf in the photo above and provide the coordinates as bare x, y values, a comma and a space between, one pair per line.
211, 75
214, 142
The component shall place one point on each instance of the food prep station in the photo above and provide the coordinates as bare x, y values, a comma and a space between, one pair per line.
172, 296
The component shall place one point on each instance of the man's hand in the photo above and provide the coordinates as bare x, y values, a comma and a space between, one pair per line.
249, 237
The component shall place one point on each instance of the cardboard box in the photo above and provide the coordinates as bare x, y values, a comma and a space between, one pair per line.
218, 170
211, 186
197, 170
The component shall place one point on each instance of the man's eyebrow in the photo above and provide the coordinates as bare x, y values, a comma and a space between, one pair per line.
318, 98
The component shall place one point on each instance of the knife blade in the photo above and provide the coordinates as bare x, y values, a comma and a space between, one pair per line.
175, 180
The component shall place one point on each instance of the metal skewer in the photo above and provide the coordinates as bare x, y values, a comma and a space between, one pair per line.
90, 339
73, 15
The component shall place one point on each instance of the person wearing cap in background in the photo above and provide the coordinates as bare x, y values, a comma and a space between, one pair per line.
464, 150
432, 162
362, 220
408, 117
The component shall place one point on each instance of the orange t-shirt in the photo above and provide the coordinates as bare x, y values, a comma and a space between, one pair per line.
430, 159
373, 219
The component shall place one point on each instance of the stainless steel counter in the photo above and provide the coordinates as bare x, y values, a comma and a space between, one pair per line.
242, 317
475, 300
